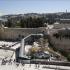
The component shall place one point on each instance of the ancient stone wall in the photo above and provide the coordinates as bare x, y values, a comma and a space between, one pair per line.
17, 33
62, 41
61, 44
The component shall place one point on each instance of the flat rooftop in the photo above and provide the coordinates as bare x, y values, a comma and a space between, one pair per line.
9, 45
14, 66
7, 50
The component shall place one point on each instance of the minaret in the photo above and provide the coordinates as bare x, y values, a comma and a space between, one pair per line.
66, 12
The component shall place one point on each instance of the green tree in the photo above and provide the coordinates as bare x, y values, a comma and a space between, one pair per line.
9, 23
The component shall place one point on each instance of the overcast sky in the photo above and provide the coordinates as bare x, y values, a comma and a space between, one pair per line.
33, 6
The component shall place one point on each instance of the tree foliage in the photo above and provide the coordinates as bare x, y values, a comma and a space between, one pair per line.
29, 22
8, 23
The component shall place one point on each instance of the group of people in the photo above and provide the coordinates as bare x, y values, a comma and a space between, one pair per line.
4, 61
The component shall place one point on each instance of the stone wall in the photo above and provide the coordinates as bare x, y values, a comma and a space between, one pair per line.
17, 33
60, 26
62, 42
